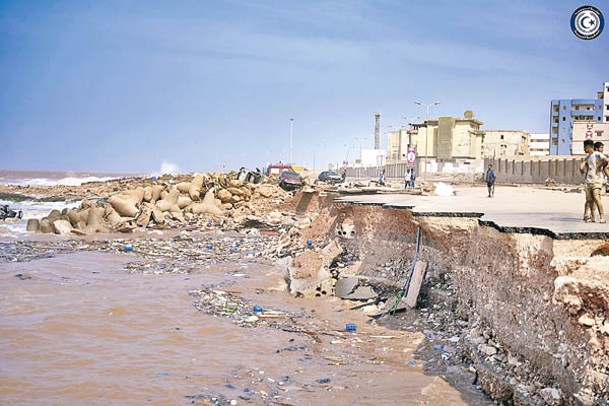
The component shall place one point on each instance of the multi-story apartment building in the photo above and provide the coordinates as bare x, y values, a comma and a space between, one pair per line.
539, 145
564, 112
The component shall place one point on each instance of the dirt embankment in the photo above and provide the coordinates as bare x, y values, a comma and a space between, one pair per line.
534, 311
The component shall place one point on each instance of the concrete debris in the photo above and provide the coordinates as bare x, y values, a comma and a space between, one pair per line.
552, 396
345, 286
362, 293
416, 281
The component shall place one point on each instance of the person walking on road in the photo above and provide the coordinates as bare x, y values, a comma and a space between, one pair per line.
382, 178
489, 178
407, 179
592, 168
413, 176
600, 147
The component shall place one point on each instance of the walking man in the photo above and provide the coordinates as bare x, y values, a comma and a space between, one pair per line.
407, 179
489, 178
413, 176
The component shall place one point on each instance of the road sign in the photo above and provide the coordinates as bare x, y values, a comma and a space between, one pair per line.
411, 156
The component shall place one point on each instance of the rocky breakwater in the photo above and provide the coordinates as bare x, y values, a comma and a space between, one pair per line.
205, 199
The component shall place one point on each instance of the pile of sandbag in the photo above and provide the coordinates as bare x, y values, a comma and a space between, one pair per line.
157, 204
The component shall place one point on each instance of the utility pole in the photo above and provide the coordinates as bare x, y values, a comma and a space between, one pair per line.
291, 140
377, 131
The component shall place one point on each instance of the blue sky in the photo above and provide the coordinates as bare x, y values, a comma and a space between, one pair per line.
123, 86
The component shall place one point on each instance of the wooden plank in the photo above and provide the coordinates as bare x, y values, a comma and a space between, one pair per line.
415, 284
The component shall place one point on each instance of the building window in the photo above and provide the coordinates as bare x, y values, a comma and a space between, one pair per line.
564, 107
502, 136
554, 141
564, 118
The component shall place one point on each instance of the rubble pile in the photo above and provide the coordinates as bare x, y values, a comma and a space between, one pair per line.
167, 204
213, 301
507, 376
24, 251
187, 252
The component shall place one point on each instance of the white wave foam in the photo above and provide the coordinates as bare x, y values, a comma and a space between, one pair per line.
69, 181
31, 209
169, 168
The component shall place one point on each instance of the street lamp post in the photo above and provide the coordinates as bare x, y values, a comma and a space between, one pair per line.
408, 123
291, 139
427, 106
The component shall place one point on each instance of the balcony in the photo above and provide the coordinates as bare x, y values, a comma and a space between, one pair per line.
586, 102
575, 113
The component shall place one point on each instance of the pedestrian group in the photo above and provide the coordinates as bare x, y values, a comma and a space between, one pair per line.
594, 168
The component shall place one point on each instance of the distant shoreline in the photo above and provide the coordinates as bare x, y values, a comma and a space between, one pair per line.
55, 175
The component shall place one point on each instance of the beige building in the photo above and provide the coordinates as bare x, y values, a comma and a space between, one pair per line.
397, 144
446, 144
449, 138
505, 143
595, 131
539, 145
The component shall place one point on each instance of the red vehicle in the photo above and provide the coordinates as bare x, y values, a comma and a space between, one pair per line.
289, 180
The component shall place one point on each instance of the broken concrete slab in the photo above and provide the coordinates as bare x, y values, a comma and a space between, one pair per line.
345, 286
362, 293
418, 276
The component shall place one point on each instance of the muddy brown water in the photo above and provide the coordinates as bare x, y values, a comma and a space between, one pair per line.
83, 331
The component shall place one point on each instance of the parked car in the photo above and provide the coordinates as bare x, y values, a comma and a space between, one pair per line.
330, 177
289, 180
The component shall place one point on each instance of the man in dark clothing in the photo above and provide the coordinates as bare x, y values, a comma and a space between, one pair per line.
489, 178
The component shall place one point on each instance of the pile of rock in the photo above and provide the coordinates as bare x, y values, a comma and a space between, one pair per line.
160, 204
505, 376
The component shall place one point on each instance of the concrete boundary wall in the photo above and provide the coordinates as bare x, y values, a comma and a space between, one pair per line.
537, 170
563, 170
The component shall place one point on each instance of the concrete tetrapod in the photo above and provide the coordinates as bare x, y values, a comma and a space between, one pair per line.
195, 187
